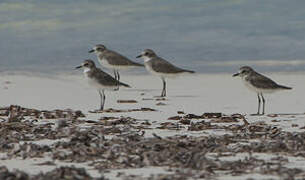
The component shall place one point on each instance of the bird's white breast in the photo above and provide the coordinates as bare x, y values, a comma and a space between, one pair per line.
104, 62
91, 81
94, 83
86, 70
146, 59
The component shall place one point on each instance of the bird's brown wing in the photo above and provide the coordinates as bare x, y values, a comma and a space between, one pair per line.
163, 66
118, 59
105, 79
261, 81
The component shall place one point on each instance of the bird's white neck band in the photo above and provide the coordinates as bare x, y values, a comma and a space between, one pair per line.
146, 59
86, 70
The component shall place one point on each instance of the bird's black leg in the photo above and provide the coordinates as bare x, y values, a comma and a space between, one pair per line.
118, 75
115, 76
102, 96
164, 84
163, 94
259, 106
263, 103
259, 103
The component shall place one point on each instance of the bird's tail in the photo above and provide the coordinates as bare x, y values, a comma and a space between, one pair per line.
137, 64
284, 87
125, 85
189, 71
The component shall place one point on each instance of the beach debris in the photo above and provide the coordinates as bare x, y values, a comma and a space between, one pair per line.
188, 154
161, 99
142, 109
117, 121
5, 174
272, 115
212, 115
175, 118
160, 104
170, 126
193, 116
65, 172
127, 101
275, 120
225, 119
7, 82
61, 123
79, 113
46, 163
58, 173
17, 113
110, 110
120, 142
202, 125
147, 99
155, 135
185, 121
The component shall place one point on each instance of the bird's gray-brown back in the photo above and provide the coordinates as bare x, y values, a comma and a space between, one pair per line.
117, 59
263, 82
162, 66
103, 78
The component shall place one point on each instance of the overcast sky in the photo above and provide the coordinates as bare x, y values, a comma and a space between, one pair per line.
204, 35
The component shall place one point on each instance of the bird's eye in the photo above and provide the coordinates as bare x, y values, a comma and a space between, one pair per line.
243, 71
146, 53
86, 64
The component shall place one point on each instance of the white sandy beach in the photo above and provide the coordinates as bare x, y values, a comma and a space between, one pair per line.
192, 94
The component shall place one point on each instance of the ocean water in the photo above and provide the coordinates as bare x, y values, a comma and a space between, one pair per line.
207, 36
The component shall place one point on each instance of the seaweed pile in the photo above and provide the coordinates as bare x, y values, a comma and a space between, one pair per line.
58, 173
183, 156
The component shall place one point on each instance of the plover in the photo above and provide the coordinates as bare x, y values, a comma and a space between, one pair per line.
160, 67
113, 60
259, 83
100, 80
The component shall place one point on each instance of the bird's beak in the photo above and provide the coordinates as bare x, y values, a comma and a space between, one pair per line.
237, 74
91, 51
78, 67
139, 56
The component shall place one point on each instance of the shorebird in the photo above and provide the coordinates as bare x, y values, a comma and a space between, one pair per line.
160, 67
113, 60
100, 80
259, 83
